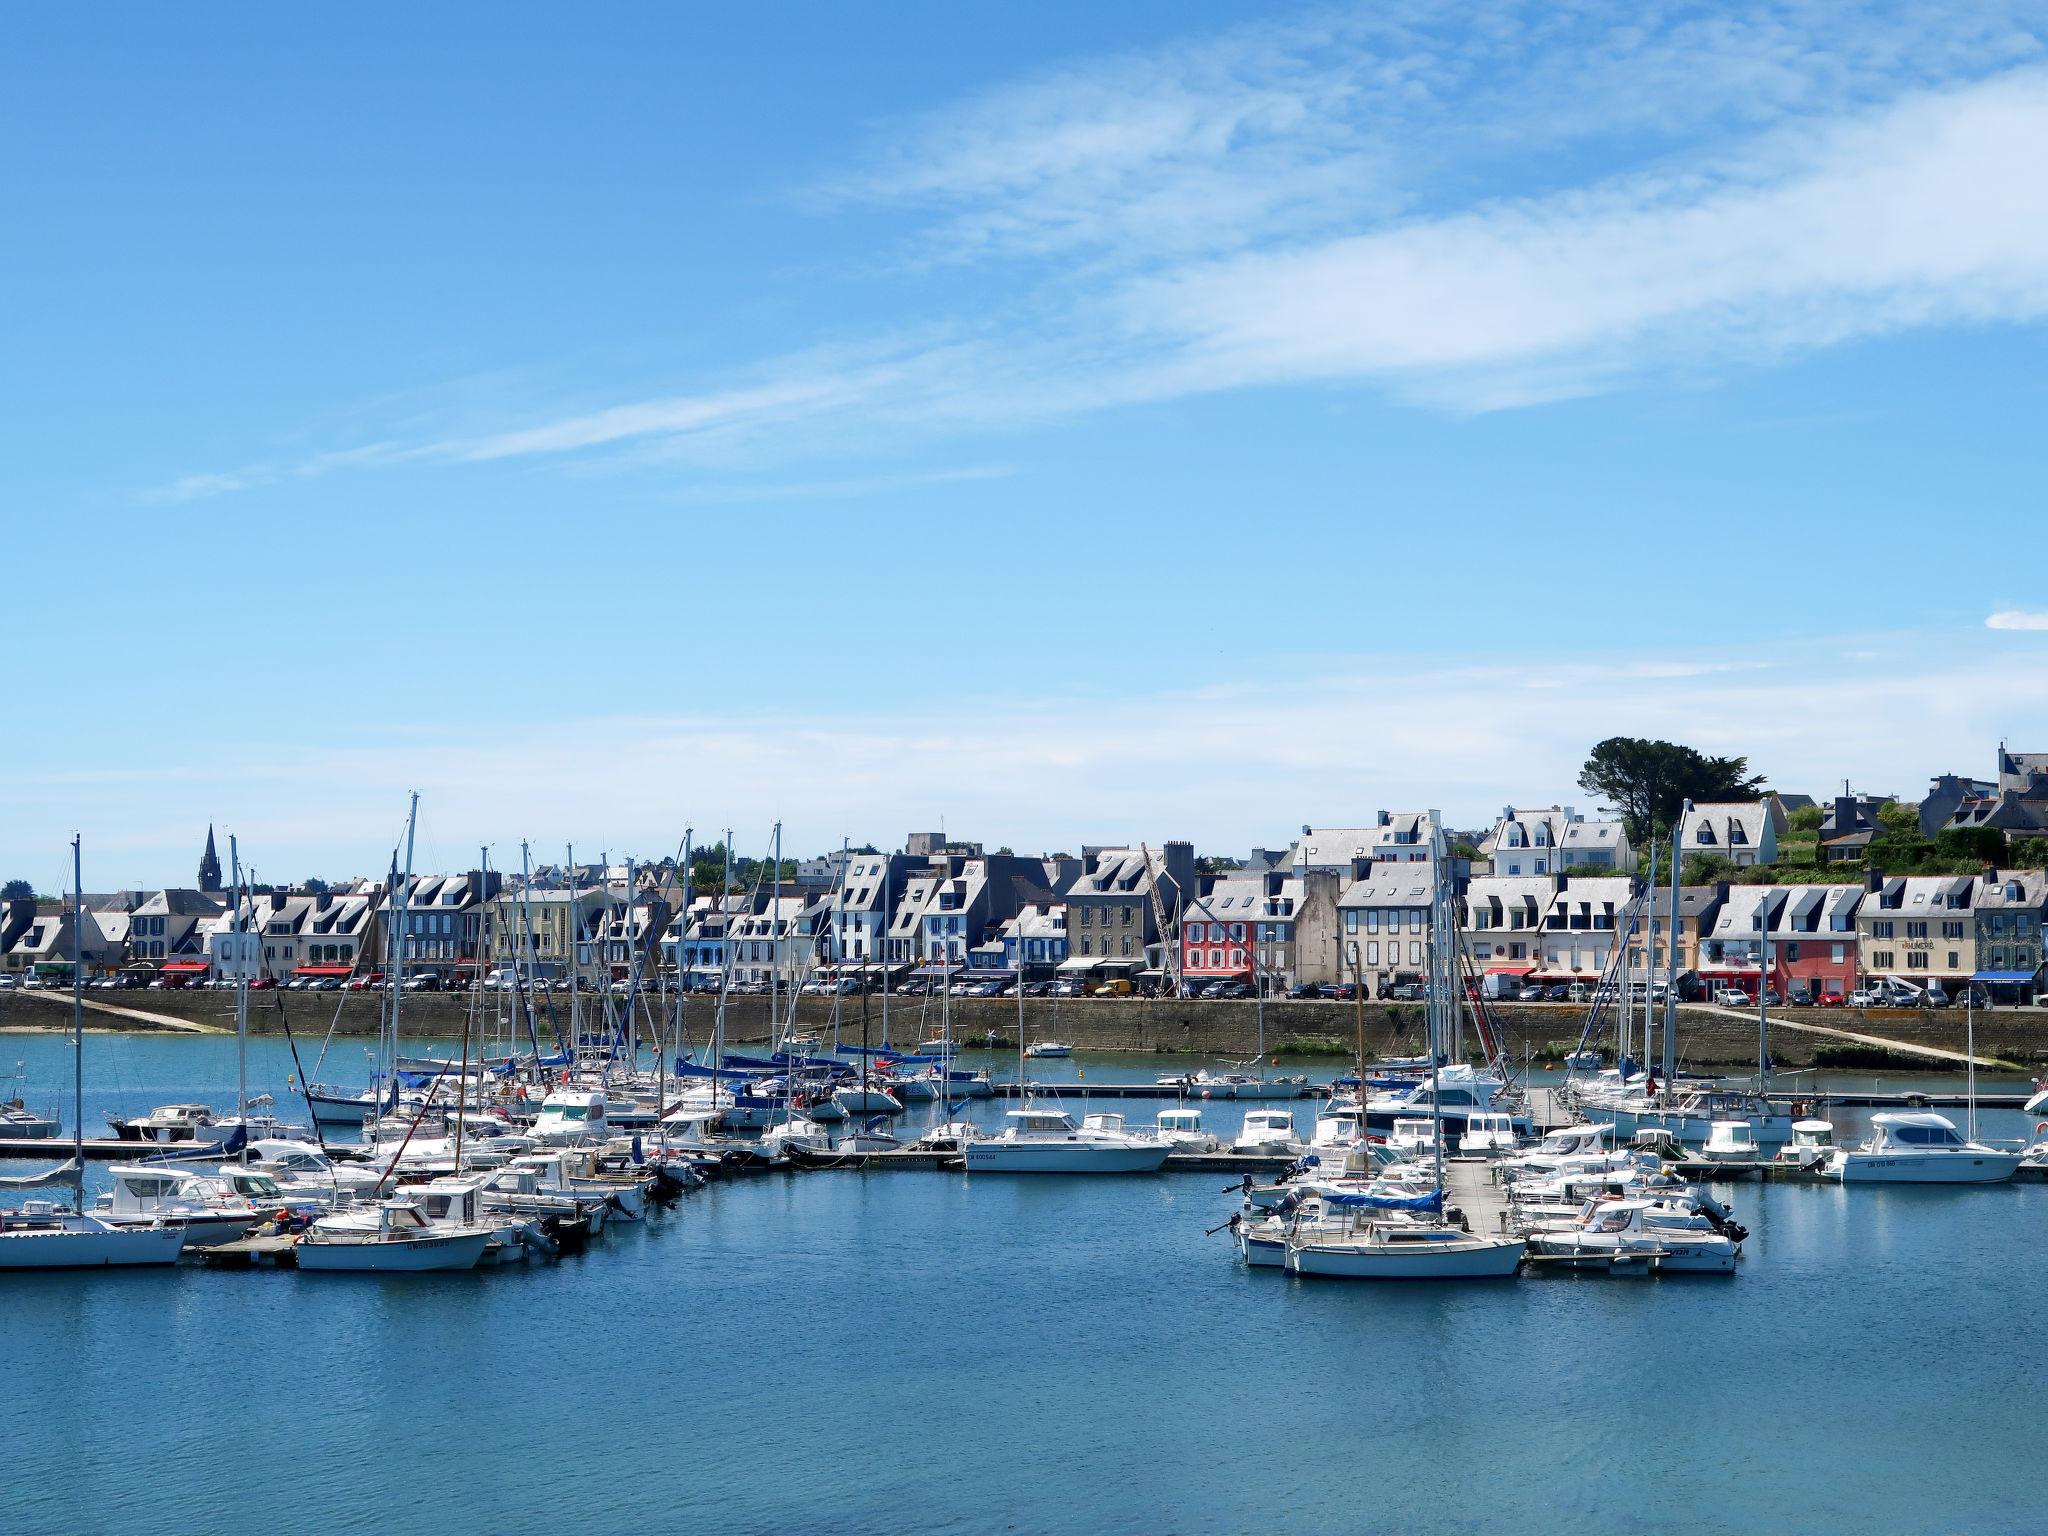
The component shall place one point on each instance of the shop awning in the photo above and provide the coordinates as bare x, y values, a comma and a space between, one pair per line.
1079, 963
937, 970
2011, 978
314, 970
1511, 970
186, 967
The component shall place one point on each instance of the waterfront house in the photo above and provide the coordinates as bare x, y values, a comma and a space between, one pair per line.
165, 929
1034, 942
1699, 911
1383, 917
1504, 919
1547, 840
2016, 804
859, 915
542, 926
293, 933
43, 942
1801, 939
1744, 832
444, 921
1581, 926
2010, 912
1112, 919
1918, 928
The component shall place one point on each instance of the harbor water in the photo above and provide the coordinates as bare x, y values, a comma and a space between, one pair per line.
916, 1351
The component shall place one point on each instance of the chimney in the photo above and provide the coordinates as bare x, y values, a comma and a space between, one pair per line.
323, 901
1873, 880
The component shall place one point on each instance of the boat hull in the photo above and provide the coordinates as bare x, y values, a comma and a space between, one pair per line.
1886, 1168
1474, 1259
412, 1256
105, 1248
1059, 1157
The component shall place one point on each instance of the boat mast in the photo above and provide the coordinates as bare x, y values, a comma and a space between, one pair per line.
1440, 981
726, 956
78, 1023
888, 914
1671, 964
1970, 1050
682, 987
526, 949
400, 913
241, 999
774, 959
1763, 979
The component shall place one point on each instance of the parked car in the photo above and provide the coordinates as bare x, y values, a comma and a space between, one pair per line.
1832, 998
168, 984
1233, 990
1802, 994
263, 984
366, 981
1578, 992
327, 984
1407, 992
1732, 997
1771, 998
426, 981
1866, 997
8, 983
1069, 986
1339, 991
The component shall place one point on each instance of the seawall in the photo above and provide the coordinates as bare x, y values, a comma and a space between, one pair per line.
1218, 1029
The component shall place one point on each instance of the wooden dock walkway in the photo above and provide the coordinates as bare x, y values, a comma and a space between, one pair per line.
1469, 1186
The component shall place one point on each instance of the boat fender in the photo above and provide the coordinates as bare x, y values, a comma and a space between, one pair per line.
2041, 1127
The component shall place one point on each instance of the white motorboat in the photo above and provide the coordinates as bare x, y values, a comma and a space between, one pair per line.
1690, 1116
1583, 1061
1616, 1234
391, 1237
40, 1234
1048, 1050
1733, 1142
1413, 1139
1812, 1144
1268, 1133
778, 1140
1338, 1128
1488, 1134
168, 1123
1183, 1129
872, 1137
457, 1203
146, 1195
1919, 1148
1236, 1085
1455, 1093
569, 1115
914, 1087
1039, 1140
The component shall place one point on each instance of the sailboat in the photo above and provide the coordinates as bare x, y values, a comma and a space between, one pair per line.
1393, 1234
41, 1234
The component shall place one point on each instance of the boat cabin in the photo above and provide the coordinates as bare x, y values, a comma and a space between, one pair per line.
1180, 1121
1916, 1132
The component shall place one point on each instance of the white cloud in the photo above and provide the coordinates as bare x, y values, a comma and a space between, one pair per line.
1228, 765
1476, 207
2017, 618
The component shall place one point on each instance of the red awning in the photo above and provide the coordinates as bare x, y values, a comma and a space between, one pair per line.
186, 967
1510, 970
324, 970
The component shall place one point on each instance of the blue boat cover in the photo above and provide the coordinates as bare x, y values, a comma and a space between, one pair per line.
1433, 1201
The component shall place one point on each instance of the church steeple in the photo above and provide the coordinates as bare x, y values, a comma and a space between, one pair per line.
209, 867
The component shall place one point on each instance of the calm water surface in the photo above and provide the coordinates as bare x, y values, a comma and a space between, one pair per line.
917, 1352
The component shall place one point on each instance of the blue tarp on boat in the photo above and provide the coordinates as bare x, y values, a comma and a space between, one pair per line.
1433, 1201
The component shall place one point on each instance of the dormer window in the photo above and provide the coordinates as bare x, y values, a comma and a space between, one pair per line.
1706, 834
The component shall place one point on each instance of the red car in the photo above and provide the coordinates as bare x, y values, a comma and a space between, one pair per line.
1833, 1000
263, 984
364, 983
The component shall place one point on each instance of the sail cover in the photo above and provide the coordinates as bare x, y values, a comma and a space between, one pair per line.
63, 1173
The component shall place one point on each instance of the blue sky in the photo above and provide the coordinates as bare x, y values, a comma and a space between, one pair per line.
606, 421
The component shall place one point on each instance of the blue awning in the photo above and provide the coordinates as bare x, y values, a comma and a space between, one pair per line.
2017, 977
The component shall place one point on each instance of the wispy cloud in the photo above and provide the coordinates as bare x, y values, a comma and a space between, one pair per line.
1477, 207
1229, 764
2017, 618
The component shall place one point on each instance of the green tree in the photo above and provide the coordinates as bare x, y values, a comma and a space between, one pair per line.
1982, 845
2029, 853
1648, 782
315, 885
1898, 817
17, 890
1806, 819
